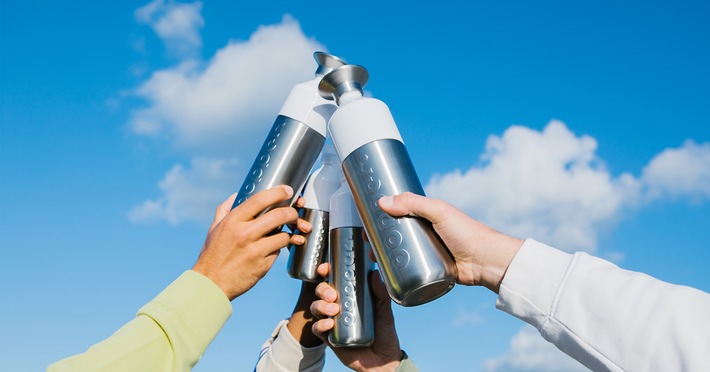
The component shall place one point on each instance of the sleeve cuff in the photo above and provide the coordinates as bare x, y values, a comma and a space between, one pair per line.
406, 365
194, 307
533, 300
292, 355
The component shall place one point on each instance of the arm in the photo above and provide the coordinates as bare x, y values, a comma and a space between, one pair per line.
292, 346
604, 317
172, 331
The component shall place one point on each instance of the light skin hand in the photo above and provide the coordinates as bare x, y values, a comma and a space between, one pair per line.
385, 353
240, 247
482, 254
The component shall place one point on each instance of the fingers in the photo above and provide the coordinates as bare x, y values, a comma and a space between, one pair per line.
410, 204
273, 243
273, 219
300, 202
325, 292
371, 255
323, 269
262, 200
323, 308
222, 210
322, 327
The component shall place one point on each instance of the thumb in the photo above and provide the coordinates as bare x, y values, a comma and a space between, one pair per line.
410, 204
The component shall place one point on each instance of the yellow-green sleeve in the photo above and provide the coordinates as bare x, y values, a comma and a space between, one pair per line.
406, 365
170, 333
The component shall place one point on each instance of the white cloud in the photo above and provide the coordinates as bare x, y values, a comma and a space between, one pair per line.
230, 100
191, 193
530, 352
467, 317
176, 24
680, 172
549, 185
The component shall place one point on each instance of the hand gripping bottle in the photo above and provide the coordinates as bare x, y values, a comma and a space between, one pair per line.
323, 182
414, 262
294, 141
350, 270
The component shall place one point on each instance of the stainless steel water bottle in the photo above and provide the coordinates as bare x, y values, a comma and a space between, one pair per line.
350, 270
295, 139
304, 259
415, 264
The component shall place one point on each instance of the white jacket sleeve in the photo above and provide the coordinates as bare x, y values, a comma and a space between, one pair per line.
283, 353
605, 317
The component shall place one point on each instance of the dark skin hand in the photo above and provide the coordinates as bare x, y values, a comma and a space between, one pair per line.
385, 353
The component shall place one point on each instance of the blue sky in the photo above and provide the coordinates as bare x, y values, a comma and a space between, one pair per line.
123, 124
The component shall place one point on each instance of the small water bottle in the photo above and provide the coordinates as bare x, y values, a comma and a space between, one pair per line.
350, 270
303, 260
292, 146
415, 264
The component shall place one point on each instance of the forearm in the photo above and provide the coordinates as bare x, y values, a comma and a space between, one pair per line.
605, 317
170, 333
293, 346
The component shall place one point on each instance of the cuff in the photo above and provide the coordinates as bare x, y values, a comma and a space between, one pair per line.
290, 354
406, 365
191, 311
530, 287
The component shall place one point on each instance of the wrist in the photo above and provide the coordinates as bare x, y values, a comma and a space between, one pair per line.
496, 260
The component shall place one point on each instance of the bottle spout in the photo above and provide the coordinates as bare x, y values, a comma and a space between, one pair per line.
342, 80
327, 62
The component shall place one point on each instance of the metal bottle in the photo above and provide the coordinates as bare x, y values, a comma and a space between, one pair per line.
295, 139
323, 182
415, 264
350, 270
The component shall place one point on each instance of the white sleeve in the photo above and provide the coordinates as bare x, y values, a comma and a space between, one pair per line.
282, 353
605, 317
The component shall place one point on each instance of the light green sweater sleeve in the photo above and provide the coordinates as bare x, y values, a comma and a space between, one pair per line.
170, 333
407, 365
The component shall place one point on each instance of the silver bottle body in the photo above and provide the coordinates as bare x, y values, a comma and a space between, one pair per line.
415, 264
303, 260
286, 158
350, 277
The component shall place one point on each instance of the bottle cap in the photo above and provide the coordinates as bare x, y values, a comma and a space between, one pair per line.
342, 80
327, 62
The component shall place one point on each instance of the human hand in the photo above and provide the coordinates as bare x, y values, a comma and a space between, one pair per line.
384, 354
241, 247
482, 254
301, 321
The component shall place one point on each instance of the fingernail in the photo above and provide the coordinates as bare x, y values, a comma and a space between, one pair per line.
298, 239
387, 201
289, 190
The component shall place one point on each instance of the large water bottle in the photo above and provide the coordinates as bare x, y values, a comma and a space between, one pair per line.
414, 262
292, 146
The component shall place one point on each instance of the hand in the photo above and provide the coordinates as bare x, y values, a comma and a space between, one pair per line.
240, 247
482, 254
384, 354
301, 321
